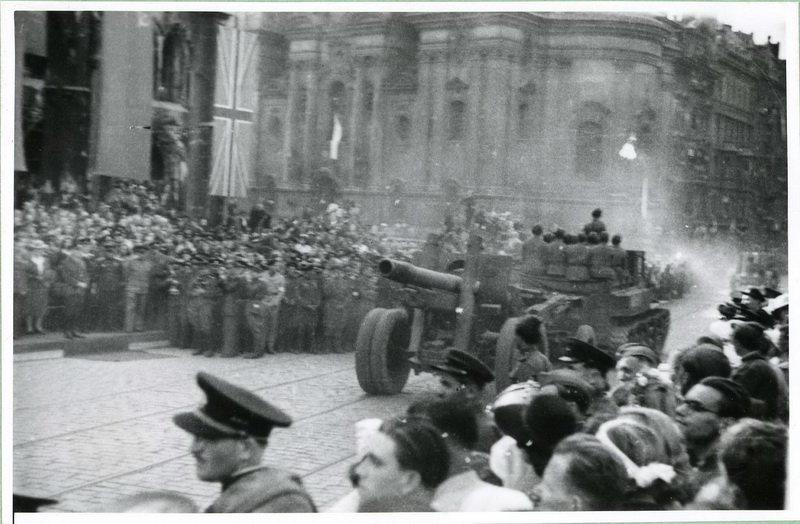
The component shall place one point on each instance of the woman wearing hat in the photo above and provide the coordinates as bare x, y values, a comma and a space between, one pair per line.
39, 276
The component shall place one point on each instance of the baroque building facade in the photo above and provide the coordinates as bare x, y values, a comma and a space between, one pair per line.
406, 114
523, 111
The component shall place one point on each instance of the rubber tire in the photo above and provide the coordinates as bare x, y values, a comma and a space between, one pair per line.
364, 349
389, 363
505, 356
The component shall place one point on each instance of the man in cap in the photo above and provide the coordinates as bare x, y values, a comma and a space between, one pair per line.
464, 377
593, 365
634, 359
230, 433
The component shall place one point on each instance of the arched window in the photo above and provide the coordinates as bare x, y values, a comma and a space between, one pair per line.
524, 121
589, 149
275, 127
403, 128
457, 121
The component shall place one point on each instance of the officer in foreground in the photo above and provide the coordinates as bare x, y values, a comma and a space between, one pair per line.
230, 435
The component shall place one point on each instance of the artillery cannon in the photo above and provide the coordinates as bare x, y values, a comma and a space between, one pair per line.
435, 310
477, 311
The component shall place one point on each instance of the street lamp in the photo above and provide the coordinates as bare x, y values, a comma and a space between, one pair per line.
628, 152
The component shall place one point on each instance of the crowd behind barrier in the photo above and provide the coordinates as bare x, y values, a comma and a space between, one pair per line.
590, 430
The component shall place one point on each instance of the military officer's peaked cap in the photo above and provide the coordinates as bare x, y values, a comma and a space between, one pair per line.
588, 354
462, 364
29, 504
231, 412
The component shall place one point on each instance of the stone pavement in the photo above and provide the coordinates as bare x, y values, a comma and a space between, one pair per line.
89, 429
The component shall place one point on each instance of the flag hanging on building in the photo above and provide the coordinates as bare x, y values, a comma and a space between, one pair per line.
125, 114
336, 137
235, 101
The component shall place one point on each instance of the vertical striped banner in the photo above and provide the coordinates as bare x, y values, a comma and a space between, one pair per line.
235, 102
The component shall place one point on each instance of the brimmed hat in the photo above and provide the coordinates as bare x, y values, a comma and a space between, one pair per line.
463, 365
29, 504
634, 349
755, 293
231, 412
570, 386
579, 351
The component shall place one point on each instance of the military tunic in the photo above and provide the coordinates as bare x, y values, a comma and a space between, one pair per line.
263, 490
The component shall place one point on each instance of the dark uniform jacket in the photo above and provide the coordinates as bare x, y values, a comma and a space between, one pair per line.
762, 383
263, 490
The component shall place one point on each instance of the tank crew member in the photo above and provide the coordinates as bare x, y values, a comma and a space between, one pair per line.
230, 434
596, 225
556, 262
601, 258
464, 377
533, 253
577, 259
619, 259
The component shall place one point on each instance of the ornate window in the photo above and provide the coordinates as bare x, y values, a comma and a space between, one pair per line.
589, 149
403, 127
457, 122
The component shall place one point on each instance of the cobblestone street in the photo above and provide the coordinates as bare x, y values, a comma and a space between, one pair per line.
88, 430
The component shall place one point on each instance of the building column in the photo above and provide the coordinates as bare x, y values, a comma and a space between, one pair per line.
67, 99
355, 117
309, 134
376, 127
201, 113
288, 127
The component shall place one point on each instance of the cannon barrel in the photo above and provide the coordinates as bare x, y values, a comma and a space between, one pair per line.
405, 273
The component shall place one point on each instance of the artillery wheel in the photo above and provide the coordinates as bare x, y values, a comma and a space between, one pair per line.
389, 367
364, 348
506, 354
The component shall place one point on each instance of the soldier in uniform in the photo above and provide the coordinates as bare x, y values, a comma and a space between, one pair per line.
577, 259
263, 309
601, 259
158, 296
593, 365
69, 287
137, 270
533, 253
231, 289
309, 300
231, 433
335, 293
464, 377
619, 259
289, 312
556, 263
596, 225
109, 281
200, 311
174, 292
